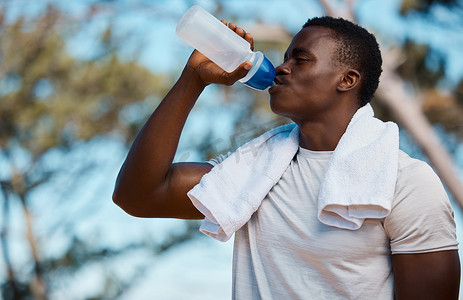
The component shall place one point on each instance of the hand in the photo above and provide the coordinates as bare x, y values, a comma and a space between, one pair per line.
208, 72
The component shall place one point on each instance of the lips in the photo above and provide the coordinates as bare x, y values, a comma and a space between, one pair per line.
279, 82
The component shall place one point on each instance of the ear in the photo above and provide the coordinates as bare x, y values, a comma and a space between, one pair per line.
349, 80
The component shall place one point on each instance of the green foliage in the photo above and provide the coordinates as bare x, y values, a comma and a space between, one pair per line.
415, 68
423, 5
424, 71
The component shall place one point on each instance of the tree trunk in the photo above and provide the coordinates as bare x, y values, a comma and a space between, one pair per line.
11, 281
37, 285
408, 112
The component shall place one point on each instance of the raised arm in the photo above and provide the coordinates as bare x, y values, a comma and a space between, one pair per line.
432, 276
148, 184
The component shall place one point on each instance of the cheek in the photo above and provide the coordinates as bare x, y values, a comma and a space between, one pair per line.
319, 85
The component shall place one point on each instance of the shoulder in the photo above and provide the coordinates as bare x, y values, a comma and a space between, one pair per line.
418, 188
418, 185
421, 218
416, 178
409, 166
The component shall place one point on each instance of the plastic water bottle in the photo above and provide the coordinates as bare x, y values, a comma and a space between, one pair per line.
224, 47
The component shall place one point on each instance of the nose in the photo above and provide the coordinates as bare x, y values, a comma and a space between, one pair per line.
283, 69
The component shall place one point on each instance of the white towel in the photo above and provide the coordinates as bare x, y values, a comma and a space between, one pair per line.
232, 191
360, 178
359, 181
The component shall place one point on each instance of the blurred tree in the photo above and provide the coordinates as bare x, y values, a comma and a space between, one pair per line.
440, 106
50, 101
427, 102
425, 6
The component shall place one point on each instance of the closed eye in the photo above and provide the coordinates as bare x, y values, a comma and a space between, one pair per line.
299, 55
302, 55
296, 59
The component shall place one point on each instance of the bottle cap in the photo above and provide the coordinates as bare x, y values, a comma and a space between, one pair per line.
264, 76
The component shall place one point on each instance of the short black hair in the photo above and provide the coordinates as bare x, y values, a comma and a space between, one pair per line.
357, 48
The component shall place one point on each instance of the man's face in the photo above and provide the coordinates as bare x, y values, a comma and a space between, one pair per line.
308, 78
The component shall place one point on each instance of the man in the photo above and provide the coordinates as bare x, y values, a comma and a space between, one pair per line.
331, 69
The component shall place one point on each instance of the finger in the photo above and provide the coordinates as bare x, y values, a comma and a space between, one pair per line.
240, 31
223, 21
239, 73
250, 40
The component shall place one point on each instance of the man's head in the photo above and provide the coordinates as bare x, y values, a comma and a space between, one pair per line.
357, 49
330, 69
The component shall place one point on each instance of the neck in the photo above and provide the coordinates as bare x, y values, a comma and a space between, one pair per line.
325, 133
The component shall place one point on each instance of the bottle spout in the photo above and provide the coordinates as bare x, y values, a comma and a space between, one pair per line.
264, 76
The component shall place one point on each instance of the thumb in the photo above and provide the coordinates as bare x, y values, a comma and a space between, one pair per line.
240, 72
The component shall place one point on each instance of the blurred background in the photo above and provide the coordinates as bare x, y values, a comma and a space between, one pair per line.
79, 78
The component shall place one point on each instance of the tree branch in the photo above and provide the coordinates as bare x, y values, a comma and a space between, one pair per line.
329, 11
4, 241
37, 285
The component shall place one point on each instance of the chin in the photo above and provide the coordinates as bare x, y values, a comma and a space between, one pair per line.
286, 107
279, 109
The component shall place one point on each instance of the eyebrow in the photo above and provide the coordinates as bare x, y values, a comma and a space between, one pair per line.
296, 51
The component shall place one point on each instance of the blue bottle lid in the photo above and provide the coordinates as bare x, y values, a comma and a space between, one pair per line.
264, 76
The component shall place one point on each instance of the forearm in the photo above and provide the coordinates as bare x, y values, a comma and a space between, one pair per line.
151, 155
149, 185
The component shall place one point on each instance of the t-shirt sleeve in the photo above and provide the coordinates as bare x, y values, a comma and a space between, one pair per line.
421, 219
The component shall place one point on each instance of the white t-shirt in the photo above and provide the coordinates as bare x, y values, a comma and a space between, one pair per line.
285, 252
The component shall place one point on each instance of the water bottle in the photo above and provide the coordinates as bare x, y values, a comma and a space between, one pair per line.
224, 47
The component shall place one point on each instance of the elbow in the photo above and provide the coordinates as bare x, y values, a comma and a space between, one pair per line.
134, 204
123, 195
118, 199
118, 195
123, 202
